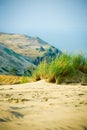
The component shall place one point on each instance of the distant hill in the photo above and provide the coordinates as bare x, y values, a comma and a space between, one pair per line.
33, 48
21, 51
11, 62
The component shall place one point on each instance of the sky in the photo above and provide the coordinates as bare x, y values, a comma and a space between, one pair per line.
62, 23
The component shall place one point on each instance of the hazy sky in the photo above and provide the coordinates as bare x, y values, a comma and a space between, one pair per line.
62, 23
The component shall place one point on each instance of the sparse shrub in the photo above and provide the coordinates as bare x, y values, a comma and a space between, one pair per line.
29, 71
13, 71
42, 49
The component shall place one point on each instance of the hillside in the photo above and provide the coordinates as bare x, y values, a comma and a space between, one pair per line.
11, 62
33, 48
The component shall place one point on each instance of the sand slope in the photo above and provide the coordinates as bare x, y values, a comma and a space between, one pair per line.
43, 106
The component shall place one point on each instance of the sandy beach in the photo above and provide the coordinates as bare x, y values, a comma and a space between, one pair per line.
43, 106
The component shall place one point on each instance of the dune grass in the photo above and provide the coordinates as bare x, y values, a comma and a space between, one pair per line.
41, 71
11, 79
63, 69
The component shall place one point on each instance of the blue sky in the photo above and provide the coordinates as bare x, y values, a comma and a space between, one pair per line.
62, 23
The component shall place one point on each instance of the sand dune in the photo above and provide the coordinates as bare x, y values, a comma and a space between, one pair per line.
43, 106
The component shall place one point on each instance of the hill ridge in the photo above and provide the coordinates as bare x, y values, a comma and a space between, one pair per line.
33, 49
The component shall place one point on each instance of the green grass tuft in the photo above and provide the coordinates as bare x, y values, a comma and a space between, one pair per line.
41, 71
63, 69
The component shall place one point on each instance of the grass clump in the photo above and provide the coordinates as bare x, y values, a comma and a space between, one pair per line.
63, 69
41, 71
59, 68
80, 63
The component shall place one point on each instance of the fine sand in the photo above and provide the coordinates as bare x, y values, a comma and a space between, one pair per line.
43, 106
